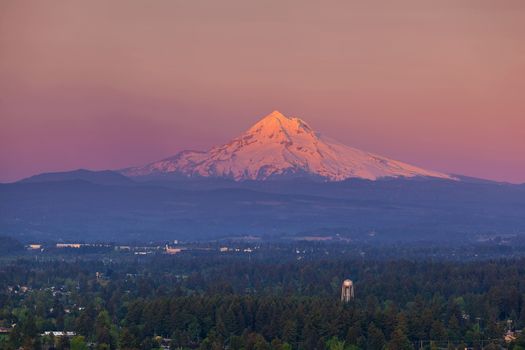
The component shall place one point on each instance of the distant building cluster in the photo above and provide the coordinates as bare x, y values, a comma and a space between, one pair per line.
39, 246
171, 248
236, 249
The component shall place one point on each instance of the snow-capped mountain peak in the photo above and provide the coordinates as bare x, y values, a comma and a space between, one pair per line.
278, 145
276, 123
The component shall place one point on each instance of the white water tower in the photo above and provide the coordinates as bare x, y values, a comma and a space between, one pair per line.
347, 291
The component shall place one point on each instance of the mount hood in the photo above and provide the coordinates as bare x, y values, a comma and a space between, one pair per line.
279, 146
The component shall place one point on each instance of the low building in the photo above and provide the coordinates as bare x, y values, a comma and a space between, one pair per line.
172, 251
59, 334
510, 336
4, 330
68, 245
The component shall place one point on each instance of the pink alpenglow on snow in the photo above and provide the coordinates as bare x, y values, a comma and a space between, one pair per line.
278, 145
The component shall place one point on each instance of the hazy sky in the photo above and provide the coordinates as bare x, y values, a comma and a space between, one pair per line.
109, 84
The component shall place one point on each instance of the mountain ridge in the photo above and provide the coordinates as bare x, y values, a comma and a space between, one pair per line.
101, 177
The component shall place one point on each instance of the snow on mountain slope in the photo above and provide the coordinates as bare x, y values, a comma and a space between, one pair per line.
278, 145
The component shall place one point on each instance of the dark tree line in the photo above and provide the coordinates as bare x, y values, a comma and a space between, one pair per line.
238, 302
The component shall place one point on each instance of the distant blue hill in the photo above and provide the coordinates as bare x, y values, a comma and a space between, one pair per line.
104, 177
107, 206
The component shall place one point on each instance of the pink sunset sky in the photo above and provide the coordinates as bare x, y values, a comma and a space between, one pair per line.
110, 84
